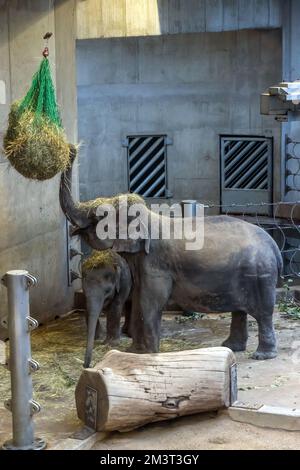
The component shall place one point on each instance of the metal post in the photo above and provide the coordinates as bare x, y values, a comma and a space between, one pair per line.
20, 363
189, 208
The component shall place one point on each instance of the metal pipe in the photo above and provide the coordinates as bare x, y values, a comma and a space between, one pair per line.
20, 364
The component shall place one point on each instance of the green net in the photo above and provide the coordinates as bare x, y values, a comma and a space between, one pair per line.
35, 142
40, 98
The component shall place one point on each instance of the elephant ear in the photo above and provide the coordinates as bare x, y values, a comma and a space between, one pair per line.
132, 245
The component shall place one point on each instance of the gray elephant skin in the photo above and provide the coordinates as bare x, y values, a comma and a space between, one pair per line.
236, 271
106, 283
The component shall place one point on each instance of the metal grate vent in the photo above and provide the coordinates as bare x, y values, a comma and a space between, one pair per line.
246, 163
147, 165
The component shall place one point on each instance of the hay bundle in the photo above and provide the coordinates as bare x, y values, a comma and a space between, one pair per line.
131, 198
99, 259
35, 143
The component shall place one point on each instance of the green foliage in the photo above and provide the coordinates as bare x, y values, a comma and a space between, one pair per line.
288, 306
191, 317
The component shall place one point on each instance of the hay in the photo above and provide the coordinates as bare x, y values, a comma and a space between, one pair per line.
99, 259
132, 198
59, 347
36, 148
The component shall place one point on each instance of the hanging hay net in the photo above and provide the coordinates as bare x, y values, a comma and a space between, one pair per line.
35, 142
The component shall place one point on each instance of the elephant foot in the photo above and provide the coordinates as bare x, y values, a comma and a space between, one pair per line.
136, 348
263, 355
111, 341
234, 345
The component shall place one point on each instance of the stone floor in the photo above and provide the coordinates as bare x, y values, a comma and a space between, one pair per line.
201, 432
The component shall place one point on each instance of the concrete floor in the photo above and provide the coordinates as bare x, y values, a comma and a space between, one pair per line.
201, 432
273, 382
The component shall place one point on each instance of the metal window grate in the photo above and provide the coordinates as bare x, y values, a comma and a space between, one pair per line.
147, 165
246, 163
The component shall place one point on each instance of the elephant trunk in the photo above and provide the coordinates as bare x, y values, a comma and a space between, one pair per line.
73, 213
94, 312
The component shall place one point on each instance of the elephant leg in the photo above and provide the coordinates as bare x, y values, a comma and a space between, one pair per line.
267, 348
262, 307
148, 302
136, 326
152, 322
113, 320
127, 312
237, 339
146, 339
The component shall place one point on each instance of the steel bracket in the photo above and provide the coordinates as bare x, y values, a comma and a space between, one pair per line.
8, 405
35, 407
32, 323
4, 322
74, 275
30, 280
33, 365
74, 252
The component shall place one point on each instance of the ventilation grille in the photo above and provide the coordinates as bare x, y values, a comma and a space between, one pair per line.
147, 165
246, 163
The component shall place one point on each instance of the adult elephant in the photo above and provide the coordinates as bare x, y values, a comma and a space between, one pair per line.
235, 271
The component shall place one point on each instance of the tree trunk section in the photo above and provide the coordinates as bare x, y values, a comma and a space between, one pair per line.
125, 390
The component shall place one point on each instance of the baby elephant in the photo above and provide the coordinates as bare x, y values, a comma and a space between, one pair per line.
106, 282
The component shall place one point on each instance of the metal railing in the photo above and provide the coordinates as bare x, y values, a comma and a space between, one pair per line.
283, 226
20, 364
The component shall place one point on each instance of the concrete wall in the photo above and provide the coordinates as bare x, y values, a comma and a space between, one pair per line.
192, 87
117, 18
32, 227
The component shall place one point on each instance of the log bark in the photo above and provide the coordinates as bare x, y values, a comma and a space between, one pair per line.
126, 390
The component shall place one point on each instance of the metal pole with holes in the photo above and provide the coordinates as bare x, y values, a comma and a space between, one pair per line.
20, 363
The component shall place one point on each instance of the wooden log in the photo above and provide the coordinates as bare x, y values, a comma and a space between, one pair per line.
125, 390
